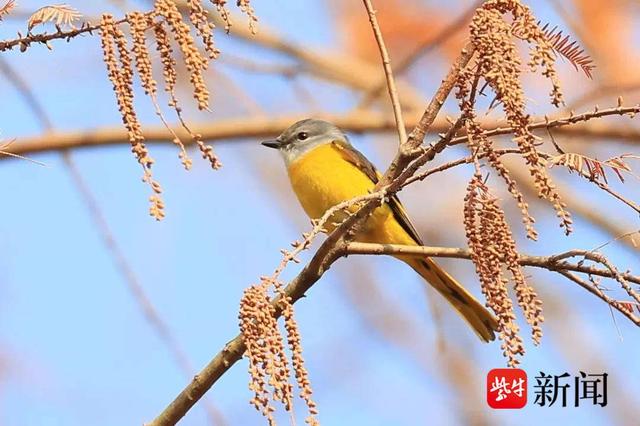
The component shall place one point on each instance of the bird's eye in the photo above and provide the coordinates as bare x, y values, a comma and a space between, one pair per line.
302, 136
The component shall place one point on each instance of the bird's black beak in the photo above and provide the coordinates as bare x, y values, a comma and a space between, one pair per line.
274, 143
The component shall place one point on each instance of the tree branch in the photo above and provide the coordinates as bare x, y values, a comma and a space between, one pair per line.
45, 38
552, 262
324, 257
421, 50
429, 117
555, 263
233, 129
388, 72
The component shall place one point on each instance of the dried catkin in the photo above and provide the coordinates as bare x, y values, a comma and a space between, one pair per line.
170, 75
120, 73
269, 369
225, 15
204, 27
139, 24
301, 373
268, 365
486, 232
165, 20
169, 72
482, 146
501, 67
245, 6
195, 62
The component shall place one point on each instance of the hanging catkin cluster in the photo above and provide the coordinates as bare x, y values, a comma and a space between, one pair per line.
493, 249
120, 73
483, 147
489, 236
500, 65
268, 362
166, 23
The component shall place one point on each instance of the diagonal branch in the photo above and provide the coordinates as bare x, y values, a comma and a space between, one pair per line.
421, 50
328, 252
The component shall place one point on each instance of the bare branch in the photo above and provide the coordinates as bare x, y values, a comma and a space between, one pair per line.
232, 129
388, 72
328, 252
555, 263
25, 42
429, 117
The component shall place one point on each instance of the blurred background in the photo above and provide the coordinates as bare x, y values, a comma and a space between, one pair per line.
105, 313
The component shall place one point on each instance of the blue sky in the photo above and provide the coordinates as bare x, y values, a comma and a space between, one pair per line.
77, 349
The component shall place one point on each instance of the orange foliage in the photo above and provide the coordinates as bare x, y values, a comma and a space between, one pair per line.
613, 50
403, 24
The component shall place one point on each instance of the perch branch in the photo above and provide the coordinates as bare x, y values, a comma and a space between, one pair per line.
324, 257
555, 263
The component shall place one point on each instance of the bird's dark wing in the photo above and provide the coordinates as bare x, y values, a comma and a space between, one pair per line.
356, 158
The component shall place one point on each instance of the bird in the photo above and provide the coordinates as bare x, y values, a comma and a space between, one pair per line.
325, 169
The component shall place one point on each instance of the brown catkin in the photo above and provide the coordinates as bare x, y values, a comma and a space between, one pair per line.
163, 46
245, 6
221, 7
204, 27
207, 152
194, 60
268, 362
121, 76
528, 300
301, 373
164, 19
169, 72
482, 146
486, 230
139, 23
254, 305
500, 65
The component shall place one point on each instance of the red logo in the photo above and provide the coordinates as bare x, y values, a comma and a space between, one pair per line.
507, 388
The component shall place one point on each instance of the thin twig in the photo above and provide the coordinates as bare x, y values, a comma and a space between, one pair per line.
45, 38
429, 117
554, 263
388, 72
596, 291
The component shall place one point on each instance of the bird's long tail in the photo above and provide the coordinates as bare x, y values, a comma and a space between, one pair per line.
475, 314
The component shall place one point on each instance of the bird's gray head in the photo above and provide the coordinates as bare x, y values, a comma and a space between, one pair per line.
304, 136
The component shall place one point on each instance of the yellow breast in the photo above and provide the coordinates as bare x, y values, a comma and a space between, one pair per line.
323, 178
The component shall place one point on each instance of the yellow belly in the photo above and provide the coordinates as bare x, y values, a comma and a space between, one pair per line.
322, 178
